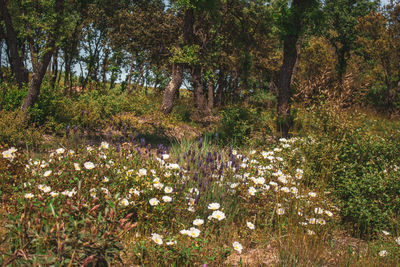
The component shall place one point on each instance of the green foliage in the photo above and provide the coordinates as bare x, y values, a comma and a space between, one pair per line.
189, 54
245, 124
359, 164
12, 99
15, 130
263, 99
88, 110
183, 110
237, 123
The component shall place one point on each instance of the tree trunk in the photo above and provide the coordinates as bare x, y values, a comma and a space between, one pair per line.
16, 62
172, 87
42, 64
67, 72
284, 120
156, 81
342, 63
36, 81
105, 67
296, 64
221, 88
130, 75
1, 58
59, 76
210, 95
200, 100
54, 70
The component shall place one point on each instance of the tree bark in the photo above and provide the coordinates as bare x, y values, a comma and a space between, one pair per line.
70, 49
36, 81
54, 70
284, 119
221, 88
210, 95
42, 64
16, 62
67, 71
130, 74
1, 58
200, 100
172, 87
105, 67
296, 64
60, 71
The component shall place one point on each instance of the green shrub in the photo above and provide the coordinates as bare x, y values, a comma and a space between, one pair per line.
15, 130
358, 163
240, 123
13, 97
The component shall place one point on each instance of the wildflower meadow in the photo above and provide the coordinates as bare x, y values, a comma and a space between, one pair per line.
197, 204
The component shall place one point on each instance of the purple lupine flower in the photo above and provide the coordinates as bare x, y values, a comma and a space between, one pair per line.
200, 142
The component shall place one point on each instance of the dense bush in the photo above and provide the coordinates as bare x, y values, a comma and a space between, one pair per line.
359, 164
15, 130
10, 96
245, 125
87, 110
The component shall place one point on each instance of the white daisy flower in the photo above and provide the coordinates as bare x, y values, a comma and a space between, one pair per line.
29, 195
46, 189
60, 151
312, 194
142, 172
184, 232
383, 253
167, 198
237, 246
310, 232
76, 167
157, 238
329, 213
89, 165
134, 191
198, 222
219, 215
250, 225
194, 232
252, 191
214, 206
104, 145
318, 211
124, 202
170, 243
280, 211
168, 189
154, 201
